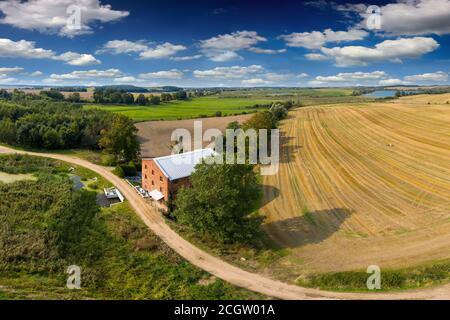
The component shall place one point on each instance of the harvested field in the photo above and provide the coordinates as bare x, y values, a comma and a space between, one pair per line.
424, 99
362, 184
155, 135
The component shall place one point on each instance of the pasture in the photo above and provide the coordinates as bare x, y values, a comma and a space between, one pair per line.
233, 102
194, 108
362, 184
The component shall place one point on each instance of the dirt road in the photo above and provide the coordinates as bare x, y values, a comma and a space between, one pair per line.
219, 268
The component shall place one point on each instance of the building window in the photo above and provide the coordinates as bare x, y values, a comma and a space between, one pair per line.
145, 166
153, 172
153, 183
160, 178
145, 176
160, 189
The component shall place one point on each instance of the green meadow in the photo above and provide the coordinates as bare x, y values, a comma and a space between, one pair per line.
193, 108
231, 103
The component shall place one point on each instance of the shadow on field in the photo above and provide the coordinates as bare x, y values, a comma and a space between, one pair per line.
312, 227
270, 193
287, 148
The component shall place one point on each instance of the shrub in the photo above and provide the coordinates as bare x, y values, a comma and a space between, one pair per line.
118, 171
108, 160
129, 169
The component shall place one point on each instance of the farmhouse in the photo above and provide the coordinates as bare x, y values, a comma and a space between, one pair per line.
163, 176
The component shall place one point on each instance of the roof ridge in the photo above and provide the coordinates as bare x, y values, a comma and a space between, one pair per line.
180, 154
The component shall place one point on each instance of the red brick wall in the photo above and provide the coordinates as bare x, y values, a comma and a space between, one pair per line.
177, 184
153, 178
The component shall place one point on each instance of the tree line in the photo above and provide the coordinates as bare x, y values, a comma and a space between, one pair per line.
113, 96
100, 95
60, 125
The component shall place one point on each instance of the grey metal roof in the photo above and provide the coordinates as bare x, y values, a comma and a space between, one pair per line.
181, 165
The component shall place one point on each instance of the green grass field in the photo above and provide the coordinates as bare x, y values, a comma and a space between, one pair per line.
231, 103
194, 108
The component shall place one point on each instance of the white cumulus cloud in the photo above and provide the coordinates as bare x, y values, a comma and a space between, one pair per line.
53, 16
224, 47
165, 74
234, 72
266, 51
164, 50
392, 82
10, 70
28, 50
160, 51
352, 78
255, 82
317, 39
123, 46
36, 73
388, 50
187, 58
420, 17
87, 74
438, 76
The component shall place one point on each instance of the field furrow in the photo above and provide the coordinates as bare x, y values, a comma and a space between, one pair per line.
362, 184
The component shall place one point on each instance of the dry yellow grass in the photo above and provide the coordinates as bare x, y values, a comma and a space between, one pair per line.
9, 178
361, 185
424, 99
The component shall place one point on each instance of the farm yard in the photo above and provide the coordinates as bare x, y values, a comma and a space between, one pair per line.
362, 184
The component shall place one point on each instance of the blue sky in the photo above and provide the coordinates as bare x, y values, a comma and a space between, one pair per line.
224, 43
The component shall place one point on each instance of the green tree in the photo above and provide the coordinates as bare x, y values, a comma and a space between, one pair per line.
116, 97
118, 171
52, 94
234, 125
141, 100
8, 131
260, 120
5, 94
120, 139
220, 201
51, 139
154, 100
74, 97
127, 98
278, 111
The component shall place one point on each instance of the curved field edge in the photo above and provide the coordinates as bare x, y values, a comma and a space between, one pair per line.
133, 262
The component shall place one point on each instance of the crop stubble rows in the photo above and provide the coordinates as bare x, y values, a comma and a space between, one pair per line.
361, 185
